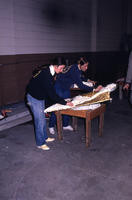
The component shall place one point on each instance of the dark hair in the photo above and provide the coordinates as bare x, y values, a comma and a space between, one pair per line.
82, 61
58, 61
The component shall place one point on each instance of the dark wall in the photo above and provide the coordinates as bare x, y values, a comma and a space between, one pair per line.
16, 70
109, 66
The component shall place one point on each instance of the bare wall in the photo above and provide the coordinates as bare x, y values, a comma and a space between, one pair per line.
51, 26
33, 31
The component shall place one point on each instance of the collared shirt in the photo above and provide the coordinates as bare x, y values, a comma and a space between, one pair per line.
52, 71
73, 76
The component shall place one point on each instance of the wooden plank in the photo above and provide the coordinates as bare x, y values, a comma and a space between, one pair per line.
15, 120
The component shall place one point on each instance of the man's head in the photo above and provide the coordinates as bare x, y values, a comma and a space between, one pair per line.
83, 64
59, 64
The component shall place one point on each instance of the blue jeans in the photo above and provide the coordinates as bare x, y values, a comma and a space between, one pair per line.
65, 119
37, 108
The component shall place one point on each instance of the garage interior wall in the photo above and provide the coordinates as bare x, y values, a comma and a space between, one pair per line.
32, 32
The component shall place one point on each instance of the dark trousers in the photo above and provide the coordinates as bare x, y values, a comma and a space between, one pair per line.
65, 119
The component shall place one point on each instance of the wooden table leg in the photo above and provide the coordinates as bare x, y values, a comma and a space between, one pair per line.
74, 123
101, 124
88, 131
59, 125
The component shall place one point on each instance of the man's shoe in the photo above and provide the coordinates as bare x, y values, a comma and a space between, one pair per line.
68, 128
44, 147
50, 139
52, 131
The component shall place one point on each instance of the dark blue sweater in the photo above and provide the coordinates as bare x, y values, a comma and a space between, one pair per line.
41, 87
73, 76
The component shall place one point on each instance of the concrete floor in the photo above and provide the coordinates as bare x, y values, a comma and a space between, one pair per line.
70, 171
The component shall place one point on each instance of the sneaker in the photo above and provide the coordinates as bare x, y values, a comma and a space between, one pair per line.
1, 116
52, 131
44, 147
68, 128
50, 139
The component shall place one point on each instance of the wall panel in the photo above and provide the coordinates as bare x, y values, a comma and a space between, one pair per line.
16, 71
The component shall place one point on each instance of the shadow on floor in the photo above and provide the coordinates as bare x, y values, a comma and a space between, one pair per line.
70, 171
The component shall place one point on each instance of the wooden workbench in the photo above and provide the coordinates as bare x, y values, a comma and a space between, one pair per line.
87, 114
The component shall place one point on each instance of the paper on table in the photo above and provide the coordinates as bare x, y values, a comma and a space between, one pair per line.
89, 98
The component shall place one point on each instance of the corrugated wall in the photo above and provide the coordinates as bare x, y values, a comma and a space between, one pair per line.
45, 26
129, 17
109, 28
51, 26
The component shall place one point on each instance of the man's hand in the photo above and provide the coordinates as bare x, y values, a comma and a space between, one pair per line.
126, 86
69, 103
98, 88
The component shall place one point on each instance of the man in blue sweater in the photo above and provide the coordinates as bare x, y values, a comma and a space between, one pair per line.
39, 89
64, 81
